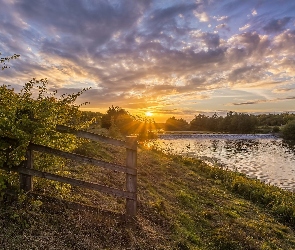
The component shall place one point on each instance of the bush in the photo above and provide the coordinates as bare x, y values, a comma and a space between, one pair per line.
288, 131
275, 129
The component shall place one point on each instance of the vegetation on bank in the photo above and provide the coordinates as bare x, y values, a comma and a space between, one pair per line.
183, 204
288, 131
120, 121
233, 122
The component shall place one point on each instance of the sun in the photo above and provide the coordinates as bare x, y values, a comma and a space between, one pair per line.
148, 113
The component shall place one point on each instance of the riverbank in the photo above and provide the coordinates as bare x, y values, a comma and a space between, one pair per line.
183, 204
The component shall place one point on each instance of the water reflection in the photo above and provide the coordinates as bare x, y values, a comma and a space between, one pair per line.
265, 157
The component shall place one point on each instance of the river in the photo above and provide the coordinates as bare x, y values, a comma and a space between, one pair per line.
262, 156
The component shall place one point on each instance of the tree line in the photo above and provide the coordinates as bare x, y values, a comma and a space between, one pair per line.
233, 122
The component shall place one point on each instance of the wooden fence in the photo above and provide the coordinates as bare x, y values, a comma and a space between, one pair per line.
27, 170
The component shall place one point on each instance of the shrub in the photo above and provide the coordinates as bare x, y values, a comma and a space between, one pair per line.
275, 129
288, 131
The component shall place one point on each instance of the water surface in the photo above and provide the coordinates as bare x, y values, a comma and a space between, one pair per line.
261, 156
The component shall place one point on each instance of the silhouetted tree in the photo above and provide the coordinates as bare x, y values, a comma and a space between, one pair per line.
112, 114
173, 124
233, 122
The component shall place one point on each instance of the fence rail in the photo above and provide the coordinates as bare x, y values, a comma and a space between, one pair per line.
27, 170
81, 158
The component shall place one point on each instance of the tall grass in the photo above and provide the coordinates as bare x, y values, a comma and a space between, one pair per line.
276, 200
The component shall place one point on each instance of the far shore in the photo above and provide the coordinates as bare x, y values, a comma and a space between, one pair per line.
190, 132
205, 132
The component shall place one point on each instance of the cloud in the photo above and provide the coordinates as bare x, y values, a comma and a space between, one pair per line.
222, 26
263, 101
246, 26
212, 40
246, 74
220, 18
171, 12
140, 53
277, 25
254, 12
285, 42
282, 90
160, 20
203, 17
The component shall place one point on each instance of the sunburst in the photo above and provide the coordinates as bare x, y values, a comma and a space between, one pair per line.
148, 113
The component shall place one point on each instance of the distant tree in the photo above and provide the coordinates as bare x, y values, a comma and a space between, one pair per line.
199, 123
287, 117
173, 124
213, 123
275, 129
112, 116
274, 119
233, 122
288, 131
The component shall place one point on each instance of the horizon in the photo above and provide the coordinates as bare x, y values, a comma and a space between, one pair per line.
162, 119
169, 58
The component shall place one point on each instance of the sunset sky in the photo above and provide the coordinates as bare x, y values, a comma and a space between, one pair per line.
168, 57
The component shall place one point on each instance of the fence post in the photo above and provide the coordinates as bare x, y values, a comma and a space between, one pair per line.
26, 181
131, 180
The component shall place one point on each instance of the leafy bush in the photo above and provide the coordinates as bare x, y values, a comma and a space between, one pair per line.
275, 129
288, 131
27, 119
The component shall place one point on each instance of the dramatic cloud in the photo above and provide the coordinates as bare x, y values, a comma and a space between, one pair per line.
161, 55
277, 25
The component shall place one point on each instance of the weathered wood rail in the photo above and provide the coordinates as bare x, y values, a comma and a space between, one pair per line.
27, 170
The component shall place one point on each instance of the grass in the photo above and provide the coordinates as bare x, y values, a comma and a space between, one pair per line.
182, 204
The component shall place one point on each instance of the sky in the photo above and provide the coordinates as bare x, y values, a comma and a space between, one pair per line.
167, 57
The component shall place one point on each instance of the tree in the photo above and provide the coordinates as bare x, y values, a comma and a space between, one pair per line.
199, 123
173, 124
26, 119
233, 123
288, 131
112, 116
120, 123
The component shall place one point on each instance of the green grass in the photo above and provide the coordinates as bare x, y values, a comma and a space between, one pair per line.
182, 204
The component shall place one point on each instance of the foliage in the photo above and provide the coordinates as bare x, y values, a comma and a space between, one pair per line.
275, 129
206, 123
27, 119
4, 60
3, 186
94, 117
277, 201
274, 119
233, 122
288, 130
173, 124
121, 123
113, 113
